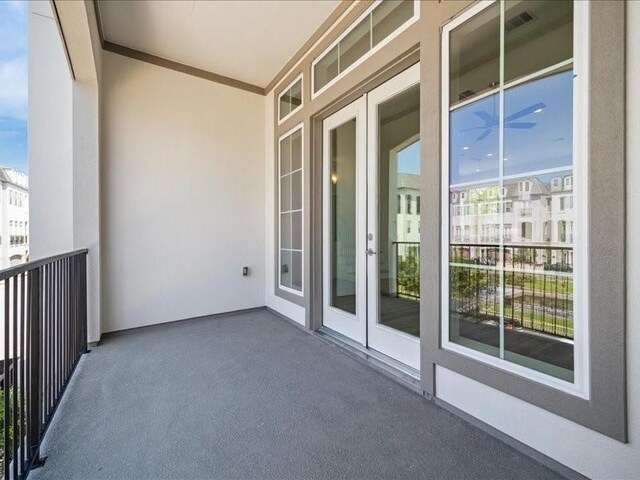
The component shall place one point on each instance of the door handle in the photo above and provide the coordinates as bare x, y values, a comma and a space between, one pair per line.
369, 251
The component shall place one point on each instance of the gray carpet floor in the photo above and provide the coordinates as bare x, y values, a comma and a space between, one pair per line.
252, 396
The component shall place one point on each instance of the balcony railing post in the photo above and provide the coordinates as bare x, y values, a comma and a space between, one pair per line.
83, 301
35, 378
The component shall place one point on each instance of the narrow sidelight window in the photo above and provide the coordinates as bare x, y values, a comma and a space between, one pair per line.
509, 133
290, 178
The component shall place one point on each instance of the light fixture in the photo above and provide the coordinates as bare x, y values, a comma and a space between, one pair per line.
465, 148
334, 178
489, 154
537, 111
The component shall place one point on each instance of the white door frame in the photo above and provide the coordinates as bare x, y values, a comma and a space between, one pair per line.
352, 326
389, 341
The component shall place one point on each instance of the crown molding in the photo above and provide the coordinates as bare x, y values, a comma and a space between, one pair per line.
112, 47
181, 67
170, 64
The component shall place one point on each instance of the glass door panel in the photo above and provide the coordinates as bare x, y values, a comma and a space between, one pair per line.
344, 217
393, 271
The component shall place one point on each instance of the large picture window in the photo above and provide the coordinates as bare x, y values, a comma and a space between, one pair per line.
290, 210
513, 175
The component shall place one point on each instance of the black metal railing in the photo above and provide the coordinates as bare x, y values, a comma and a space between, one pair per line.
44, 335
537, 286
407, 269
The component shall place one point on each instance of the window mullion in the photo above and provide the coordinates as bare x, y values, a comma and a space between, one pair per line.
501, 175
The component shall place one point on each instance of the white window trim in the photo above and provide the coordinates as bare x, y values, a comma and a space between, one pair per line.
372, 51
299, 126
299, 107
581, 385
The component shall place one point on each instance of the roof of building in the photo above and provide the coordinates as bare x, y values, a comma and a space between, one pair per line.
14, 177
409, 180
538, 187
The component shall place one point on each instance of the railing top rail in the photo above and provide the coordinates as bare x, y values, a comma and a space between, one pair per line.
537, 246
25, 267
532, 245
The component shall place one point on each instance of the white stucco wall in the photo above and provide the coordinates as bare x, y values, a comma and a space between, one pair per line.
280, 305
50, 137
86, 191
182, 195
588, 452
64, 140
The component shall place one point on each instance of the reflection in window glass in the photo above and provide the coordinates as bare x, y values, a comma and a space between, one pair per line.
285, 268
387, 17
474, 56
343, 217
296, 150
538, 34
285, 106
399, 233
296, 272
291, 99
291, 228
296, 94
474, 141
285, 230
538, 131
355, 44
326, 69
381, 22
511, 225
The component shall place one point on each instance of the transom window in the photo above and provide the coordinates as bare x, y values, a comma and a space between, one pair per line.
290, 100
508, 126
290, 175
375, 27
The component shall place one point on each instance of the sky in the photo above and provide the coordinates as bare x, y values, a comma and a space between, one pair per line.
538, 133
13, 84
409, 159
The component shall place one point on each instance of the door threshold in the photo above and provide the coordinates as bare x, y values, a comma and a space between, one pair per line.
398, 371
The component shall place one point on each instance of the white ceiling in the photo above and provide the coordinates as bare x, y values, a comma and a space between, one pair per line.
246, 40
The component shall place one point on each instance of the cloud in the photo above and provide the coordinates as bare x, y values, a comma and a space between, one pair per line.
13, 89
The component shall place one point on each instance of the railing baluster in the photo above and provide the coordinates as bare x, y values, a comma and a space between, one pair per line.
46, 333
51, 339
83, 297
5, 380
21, 376
58, 331
27, 383
14, 389
35, 381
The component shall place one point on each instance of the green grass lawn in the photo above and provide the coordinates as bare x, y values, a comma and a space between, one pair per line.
532, 320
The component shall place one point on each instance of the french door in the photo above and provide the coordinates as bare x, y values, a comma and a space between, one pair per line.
371, 219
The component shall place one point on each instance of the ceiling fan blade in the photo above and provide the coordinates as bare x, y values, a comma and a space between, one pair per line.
520, 125
526, 111
486, 117
475, 128
484, 135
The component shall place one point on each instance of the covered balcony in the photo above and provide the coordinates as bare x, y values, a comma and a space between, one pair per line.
327, 239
